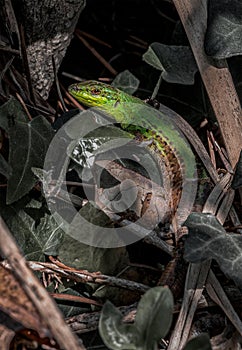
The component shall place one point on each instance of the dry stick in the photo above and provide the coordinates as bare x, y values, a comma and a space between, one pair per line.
57, 83
97, 55
218, 81
6, 336
194, 285
196, 279
135, 44
218, 295
87, 277
24, 106
35, 291
9, 49
74, 298
3, 72
141, 41
211, 150
87, 322
225, 102
221, 153
94, 38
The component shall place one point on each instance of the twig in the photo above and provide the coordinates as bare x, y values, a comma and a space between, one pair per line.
196, 277
84, 276
219, 150
24, 106
211, 150
97, 54
58, 85
141, 41
3, 72
74, 298
217, 294
9, 49
94, 38
136, 44
87, 322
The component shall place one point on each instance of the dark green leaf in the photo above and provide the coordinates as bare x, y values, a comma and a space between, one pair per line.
201, 342
176, 62
10, 112
154, 316
64, 118
86, 226
224, 32
115, 334
5, 168
28, 146
237, 179
9, 211
152, 322
82, 256
126, 81
207, 239
36, 241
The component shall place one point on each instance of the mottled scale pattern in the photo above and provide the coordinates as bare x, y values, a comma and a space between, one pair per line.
157, 128
160, 146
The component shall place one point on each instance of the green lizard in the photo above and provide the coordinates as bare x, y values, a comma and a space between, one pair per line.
148, 124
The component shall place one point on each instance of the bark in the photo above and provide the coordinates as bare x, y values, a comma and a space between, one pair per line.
46, 28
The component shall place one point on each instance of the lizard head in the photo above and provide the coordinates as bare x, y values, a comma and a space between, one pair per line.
96, 94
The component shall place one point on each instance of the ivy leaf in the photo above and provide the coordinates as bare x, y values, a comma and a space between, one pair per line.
201, 342
28, 146
28, 142
152, 322
10, 112
207, 239
224, 31
176, 63
36, 241
154, 316
115, 334
126, 81
5, 168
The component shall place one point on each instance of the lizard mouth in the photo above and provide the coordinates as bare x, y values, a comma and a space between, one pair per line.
79, 92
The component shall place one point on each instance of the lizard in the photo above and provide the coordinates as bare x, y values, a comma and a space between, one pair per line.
154, 127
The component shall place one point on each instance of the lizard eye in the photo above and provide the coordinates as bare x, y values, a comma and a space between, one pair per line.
95, 92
